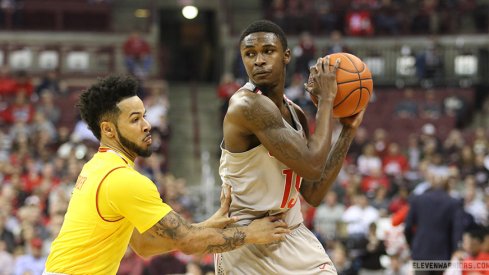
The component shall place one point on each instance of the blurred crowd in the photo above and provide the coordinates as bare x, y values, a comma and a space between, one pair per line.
379, 17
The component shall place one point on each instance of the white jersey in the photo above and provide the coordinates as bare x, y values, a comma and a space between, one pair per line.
261, 184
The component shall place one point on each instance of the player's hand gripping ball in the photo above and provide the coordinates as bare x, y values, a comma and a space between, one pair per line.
355, 85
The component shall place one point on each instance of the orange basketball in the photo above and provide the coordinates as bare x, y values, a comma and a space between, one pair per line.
355, 85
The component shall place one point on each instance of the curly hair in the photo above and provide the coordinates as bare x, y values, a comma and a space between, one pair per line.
100, 100
265, 26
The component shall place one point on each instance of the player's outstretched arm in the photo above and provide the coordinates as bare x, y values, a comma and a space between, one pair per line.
252, 114
173, 232
314, 191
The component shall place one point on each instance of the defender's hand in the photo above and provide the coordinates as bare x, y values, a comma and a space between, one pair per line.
221, 218
267, 230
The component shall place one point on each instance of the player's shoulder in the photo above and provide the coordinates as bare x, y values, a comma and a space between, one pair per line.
125, 174
246, 98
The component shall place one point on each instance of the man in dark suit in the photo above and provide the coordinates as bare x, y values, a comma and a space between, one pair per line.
434, 224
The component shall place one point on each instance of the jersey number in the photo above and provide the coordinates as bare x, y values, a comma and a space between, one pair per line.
289, 176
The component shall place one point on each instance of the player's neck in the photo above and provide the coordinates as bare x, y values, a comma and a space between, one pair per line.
276, 94
117, 147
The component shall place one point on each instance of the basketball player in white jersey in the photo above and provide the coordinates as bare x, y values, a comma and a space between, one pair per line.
269, 157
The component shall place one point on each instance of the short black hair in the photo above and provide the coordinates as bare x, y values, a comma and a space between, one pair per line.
265, 26
100, 100
476, 232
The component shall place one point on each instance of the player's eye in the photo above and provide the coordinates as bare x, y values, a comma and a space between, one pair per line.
250, 54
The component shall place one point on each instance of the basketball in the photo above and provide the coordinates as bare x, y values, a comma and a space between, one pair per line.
355, 85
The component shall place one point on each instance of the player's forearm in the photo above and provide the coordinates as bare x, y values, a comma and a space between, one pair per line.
320, 140
314, 192
212, 240
175, 233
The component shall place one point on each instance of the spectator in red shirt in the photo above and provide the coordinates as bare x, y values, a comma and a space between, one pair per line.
472, 245
137, 55
394, 163
23, 83
7, 82
225, 90
20, 111
374, 180
399, 201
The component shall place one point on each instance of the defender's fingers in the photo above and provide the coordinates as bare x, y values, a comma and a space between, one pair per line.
231, 220
280, 237
276, 217
225, 192
282, 230
280, 224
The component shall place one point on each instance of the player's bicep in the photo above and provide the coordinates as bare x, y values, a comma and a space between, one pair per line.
260, 116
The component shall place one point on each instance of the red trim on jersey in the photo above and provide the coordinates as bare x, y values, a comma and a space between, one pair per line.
103, 149
96, 195
107, 149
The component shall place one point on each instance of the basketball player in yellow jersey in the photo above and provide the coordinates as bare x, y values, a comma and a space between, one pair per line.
267, 150
113, 205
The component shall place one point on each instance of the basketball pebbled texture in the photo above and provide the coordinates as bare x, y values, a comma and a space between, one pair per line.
355, 85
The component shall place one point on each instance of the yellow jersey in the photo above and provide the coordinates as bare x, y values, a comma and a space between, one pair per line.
109, 200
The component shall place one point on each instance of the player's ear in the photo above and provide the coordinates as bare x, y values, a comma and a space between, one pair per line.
287, 56
107, 129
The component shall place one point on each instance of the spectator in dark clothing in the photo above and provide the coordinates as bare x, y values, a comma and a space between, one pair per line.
305, 53
407, 107
50, 81
337, 44
6, 235
433, 226
373, 250
429, 64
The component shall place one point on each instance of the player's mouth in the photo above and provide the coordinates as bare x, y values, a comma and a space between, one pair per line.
261, 73
148, 139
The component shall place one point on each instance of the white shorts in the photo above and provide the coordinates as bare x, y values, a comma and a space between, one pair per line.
300, 253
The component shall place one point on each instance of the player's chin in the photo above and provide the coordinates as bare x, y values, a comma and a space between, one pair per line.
145, 153
261, 82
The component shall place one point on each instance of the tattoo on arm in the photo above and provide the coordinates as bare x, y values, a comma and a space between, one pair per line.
172, 226
268, 120
175, 228
261, 117
333, 164
339, 152
230, 242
